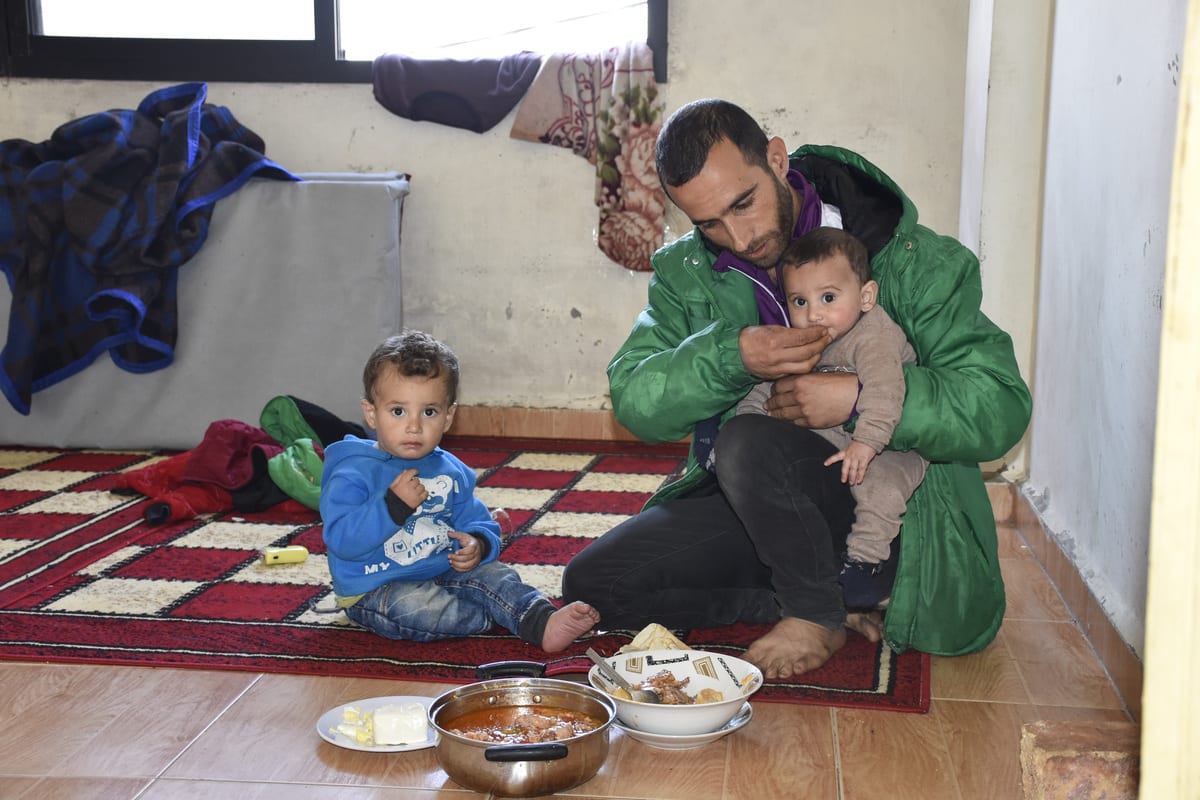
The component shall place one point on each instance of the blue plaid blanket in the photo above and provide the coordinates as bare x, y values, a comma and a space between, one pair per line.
94, 224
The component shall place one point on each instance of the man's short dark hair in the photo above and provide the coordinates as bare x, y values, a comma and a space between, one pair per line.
693, 130
822, 243
414, 354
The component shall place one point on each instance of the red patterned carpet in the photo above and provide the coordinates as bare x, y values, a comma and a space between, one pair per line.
84, 578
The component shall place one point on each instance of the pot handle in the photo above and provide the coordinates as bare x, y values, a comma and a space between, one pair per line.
500, 669
548, 751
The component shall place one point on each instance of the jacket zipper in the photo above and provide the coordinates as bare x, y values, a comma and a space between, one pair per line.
713, 299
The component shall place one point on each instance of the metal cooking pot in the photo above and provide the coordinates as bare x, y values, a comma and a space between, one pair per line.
522, 770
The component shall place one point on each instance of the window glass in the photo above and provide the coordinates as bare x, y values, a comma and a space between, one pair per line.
302, 40
154, 19
486, 28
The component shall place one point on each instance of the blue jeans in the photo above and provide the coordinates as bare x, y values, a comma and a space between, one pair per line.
452, 604
765, 539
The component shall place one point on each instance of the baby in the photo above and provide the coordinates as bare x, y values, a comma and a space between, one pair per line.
826, 277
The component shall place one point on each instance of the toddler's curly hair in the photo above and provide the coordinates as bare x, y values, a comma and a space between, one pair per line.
414, 354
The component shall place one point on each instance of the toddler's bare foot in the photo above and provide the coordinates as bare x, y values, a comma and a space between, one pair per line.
568, 624
794, 646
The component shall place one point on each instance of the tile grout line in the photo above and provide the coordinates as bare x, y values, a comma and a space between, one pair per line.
155, 778
837, 753
954, 766
1075, 620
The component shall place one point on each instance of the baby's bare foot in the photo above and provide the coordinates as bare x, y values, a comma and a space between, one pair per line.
568, 624
868, 623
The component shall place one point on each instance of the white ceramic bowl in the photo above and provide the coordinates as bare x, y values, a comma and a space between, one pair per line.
734, 678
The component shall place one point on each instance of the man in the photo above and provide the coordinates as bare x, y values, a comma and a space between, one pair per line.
755, 529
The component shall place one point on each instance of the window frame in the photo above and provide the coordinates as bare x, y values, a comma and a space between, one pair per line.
25, 53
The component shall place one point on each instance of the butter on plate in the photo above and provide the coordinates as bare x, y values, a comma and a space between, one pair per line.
400, 724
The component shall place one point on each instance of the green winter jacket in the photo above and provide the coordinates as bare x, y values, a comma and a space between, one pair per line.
965, 400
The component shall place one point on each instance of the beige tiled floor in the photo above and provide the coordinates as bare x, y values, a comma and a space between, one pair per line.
76, 732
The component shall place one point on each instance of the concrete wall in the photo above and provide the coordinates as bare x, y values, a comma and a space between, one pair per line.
1109, 152
499, 250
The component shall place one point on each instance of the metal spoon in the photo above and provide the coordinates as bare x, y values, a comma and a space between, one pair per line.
637, 695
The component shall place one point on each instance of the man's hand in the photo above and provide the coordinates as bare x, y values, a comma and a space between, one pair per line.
773, 351
815, 400
467, 556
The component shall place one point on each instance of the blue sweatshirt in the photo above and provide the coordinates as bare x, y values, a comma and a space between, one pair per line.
370, 544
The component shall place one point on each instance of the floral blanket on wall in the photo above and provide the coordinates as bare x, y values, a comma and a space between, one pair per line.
605, 107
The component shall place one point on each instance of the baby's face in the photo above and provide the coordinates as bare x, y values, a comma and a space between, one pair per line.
409, 414
826, 293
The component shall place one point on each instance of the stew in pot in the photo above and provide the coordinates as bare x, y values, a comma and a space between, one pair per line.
522, 724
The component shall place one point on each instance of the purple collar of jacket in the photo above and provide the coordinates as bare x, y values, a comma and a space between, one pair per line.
772, 305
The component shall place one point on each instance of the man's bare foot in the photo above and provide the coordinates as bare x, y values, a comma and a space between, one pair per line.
794, 646
568, 624
868, 623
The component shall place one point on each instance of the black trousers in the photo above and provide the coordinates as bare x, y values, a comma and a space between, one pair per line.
765, 538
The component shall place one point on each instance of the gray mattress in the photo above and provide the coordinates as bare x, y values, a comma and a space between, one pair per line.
293, 287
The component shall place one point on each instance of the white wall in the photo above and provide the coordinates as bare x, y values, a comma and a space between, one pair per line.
975, 116
1011, 175
498, 246
1110, 141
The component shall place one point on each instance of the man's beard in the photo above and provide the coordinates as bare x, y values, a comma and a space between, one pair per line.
785, 223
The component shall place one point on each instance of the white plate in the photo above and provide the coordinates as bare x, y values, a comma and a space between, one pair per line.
665, 741
327, 724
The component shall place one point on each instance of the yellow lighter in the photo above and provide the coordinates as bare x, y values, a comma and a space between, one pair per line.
292, 554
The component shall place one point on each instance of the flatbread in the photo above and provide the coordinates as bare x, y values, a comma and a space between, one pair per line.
654, 637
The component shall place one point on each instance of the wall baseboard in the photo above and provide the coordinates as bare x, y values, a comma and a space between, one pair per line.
1122, 663
539, 423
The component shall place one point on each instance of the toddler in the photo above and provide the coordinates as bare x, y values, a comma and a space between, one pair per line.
412, 551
